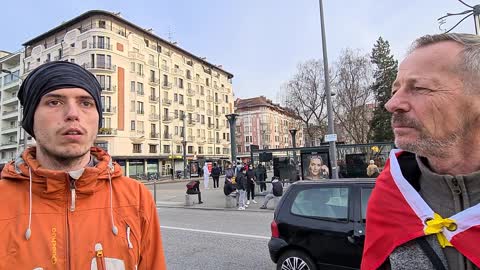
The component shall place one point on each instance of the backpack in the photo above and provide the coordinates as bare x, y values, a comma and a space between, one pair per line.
277, 188
191, 184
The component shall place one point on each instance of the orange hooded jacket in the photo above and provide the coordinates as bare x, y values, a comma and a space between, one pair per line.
103, 220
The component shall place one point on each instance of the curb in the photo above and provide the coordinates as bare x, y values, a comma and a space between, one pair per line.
214, 208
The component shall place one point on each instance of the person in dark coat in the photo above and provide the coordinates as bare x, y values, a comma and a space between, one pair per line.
261, 176
241, 180
216, 171
250, 185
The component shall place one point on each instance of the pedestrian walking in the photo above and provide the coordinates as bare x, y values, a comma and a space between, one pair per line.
65, 204
277, 191
216, 171
206, 175
241, 180
250, 185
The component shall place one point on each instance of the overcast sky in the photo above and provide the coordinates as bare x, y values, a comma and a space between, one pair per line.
259, 41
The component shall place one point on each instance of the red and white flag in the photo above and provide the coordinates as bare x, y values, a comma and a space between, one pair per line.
396, 214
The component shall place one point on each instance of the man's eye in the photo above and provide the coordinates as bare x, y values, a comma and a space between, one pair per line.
53, 103
88, 103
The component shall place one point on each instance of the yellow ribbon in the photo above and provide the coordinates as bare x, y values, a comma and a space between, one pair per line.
437, 225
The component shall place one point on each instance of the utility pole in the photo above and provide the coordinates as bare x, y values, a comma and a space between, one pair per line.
232, 121
331, 130
184, 143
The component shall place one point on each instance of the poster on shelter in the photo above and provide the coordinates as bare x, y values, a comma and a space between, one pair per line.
194, 169
315, 165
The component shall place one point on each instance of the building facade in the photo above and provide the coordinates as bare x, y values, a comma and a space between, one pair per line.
10, 135
155, 94
263, 123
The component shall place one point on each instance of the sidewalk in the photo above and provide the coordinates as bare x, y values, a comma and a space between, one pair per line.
171, 193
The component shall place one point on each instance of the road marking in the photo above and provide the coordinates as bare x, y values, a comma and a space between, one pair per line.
214, 232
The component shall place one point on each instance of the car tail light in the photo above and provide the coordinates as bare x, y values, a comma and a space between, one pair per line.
274, 228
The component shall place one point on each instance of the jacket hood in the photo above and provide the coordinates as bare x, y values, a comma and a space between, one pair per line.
52, 181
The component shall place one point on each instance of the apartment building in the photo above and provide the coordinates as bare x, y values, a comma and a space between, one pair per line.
266, 124
155, 94
10, 139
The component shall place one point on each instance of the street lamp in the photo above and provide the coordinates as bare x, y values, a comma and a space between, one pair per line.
331, 131
473, 11
232, 120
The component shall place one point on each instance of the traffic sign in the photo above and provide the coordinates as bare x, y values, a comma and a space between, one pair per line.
330, 137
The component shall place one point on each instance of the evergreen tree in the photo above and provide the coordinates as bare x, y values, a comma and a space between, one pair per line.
384, 75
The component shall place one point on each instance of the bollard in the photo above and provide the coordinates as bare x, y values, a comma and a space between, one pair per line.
155, 190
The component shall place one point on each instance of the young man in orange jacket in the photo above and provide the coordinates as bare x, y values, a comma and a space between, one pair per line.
65, 204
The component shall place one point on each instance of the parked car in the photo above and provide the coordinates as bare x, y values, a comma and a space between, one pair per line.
320, 225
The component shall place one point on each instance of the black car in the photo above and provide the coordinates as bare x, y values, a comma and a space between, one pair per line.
320, 225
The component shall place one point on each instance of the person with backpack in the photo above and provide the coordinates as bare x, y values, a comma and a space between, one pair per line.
277, 191
216, 171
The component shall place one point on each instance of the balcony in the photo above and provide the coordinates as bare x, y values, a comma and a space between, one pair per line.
154, 135
9, 143
136, 55
167, 136
190, 108
153, 117
100, 67
153, 81
10, 98
109, 110
140, 112
210, 126
153, 99
191, 122
140, 93
209, 99
167, 85
190, 92
167, 119
109, 89
100, 45
217, 101
167, 102
177, 71
153, 63
14, 126
211, 140
107, 131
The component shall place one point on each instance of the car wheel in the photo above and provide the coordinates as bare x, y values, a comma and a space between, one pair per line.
295, 260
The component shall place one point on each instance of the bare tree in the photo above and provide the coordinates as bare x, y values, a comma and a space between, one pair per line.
305, 95
353, 103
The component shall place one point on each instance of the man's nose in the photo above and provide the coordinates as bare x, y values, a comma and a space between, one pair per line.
72, 112
398, 102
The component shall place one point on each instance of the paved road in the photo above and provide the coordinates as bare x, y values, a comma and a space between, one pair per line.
215, 239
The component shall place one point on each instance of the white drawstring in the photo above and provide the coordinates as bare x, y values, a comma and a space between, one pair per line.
114, 228
28, 233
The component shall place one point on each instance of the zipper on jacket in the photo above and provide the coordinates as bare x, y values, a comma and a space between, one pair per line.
457, 191
99, 256
73, 195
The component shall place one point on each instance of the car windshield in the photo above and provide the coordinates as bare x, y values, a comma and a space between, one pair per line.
324, 202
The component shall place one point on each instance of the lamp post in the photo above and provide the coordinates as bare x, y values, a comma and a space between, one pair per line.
184, 144
332, 146
293, 132
232, 121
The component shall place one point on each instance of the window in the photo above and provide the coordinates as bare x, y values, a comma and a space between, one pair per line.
137, 148
328, 202
102, 24
207, 81
140, 69
140, 107
132, 125
140, 88
202, 91
179, 149
200, 150
106, 103
103, 145
153, 148
132, 86
166, 149
180, 99
175, 97
84, 44
190, 149
132, 106
105, 81
165, 80
189, 74
217, 150
180, 83
365, 195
